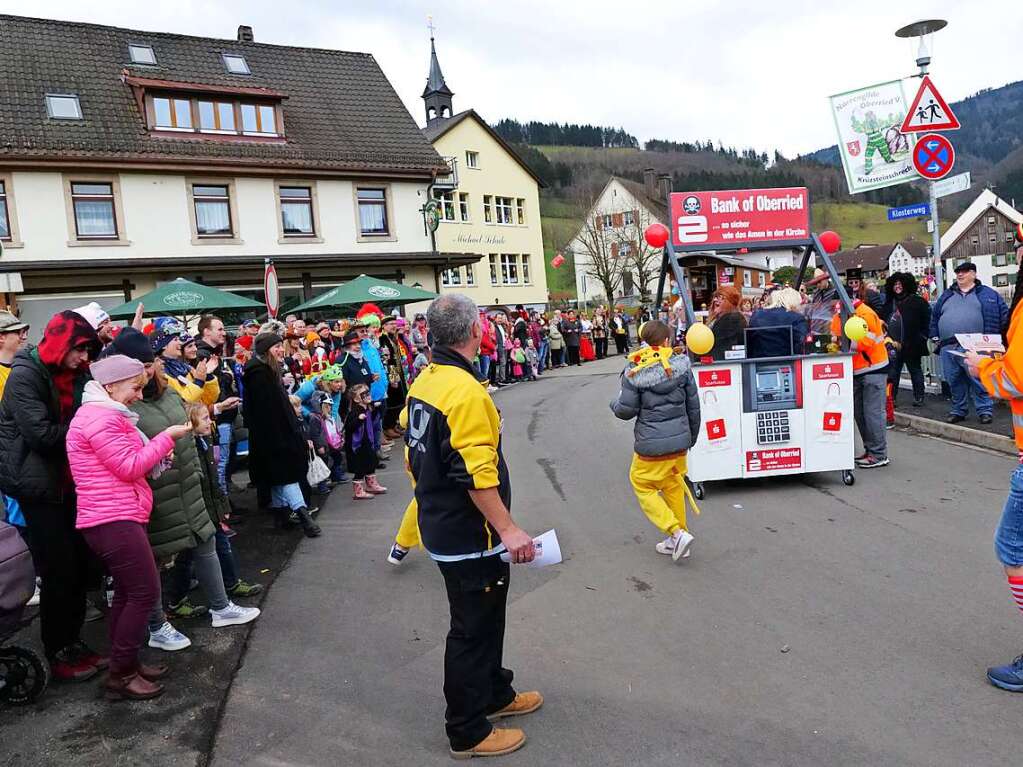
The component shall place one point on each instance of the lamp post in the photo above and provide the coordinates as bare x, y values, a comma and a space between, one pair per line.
925, 31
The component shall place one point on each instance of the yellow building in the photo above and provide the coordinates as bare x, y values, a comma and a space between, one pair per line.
489, 205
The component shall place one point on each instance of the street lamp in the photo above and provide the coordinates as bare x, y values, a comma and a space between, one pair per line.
924, 30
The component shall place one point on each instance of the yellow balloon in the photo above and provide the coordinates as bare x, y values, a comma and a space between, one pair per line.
855, 328
699, 338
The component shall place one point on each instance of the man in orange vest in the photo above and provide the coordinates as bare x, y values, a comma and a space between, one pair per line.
870, 379
1003, 379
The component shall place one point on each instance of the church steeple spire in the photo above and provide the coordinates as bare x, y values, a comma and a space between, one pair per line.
437, 94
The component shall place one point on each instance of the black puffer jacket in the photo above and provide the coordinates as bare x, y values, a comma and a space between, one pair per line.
666, 408
33, 455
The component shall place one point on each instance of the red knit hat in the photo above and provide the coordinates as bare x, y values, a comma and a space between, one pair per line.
245, 342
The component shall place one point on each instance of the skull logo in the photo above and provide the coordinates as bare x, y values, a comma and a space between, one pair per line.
691, 205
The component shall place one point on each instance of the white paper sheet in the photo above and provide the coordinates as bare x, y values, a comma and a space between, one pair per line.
985, 345
548, 550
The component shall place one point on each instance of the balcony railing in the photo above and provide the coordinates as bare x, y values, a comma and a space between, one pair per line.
450, 179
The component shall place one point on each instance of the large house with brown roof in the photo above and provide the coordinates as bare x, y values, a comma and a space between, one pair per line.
985, 235
130, 158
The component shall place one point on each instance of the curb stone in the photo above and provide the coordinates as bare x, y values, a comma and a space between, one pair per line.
955, 433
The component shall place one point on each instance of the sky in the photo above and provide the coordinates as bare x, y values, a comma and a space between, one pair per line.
748, 74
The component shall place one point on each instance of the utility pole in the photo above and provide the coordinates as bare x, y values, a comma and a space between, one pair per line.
924, 30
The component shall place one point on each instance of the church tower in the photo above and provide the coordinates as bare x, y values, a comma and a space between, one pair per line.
437, 94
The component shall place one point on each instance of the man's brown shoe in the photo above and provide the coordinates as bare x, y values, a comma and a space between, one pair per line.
499, 742
524, 703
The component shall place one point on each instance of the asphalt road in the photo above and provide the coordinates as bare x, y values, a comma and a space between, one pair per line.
815, 624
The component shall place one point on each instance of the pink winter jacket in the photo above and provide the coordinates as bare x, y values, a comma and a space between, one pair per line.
109, 461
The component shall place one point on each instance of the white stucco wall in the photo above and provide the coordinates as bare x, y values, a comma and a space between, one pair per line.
156, 219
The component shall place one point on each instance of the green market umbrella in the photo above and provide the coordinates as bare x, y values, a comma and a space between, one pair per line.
184, 298
364, 289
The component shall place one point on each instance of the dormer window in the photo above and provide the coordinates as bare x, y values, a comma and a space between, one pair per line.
142, 54
235, 64
172, 114
63, 106
225, 115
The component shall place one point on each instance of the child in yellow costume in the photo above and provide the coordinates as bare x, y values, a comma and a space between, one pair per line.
659, 391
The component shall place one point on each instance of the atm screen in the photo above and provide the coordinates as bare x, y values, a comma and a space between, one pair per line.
768, 381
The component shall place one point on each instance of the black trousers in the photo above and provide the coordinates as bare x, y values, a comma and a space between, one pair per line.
573, 355
916, 375
621, 343
63, 561
601, 347
476, 683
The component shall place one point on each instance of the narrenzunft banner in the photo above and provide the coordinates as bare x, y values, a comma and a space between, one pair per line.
875, 152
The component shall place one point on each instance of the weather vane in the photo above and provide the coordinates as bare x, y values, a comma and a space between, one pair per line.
429, 25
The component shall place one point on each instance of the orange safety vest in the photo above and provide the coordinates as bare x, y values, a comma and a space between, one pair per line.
869, 353
1003, 378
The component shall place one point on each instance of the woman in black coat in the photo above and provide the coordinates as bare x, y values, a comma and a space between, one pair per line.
278, 453
906, 310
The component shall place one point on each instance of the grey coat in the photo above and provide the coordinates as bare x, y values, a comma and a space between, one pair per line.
666, 408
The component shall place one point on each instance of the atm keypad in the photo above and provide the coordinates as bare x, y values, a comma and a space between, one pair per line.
772, 427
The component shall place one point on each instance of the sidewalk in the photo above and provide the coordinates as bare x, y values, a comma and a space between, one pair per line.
932, 419
73, 724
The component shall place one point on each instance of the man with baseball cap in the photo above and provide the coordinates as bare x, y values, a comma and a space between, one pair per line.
966, 307
13, 335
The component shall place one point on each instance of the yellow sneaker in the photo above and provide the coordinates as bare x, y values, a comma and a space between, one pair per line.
499, 742
524, 703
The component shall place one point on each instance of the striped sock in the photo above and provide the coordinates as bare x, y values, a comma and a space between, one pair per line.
1016, 587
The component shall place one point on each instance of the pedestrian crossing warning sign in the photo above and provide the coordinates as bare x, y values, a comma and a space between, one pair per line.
929, 111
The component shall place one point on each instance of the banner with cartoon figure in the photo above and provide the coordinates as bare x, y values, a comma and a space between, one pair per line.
875, 152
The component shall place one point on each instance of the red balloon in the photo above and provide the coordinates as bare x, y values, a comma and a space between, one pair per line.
656, 235
831, 241
557, 261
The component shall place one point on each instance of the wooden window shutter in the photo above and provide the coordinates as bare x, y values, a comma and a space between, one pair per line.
614, 250
616, 220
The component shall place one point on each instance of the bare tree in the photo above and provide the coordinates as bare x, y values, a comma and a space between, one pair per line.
602, 259
640, 258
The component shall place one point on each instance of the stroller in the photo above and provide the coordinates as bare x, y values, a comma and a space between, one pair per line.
23, 674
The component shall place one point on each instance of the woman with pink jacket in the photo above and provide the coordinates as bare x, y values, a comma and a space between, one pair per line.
110, 459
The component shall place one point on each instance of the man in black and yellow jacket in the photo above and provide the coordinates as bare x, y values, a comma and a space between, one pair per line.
463, 493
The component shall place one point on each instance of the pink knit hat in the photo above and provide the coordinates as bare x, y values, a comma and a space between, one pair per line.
117, 367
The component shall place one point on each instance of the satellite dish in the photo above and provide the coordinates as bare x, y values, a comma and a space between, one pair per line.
921, 28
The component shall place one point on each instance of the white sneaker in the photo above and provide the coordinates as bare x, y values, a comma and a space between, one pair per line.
233, 615
667, 546
168, 638
35, 597
682, 541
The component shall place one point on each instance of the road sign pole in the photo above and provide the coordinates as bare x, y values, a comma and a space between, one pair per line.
939, 276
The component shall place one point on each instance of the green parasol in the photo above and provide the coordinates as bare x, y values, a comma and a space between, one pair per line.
364, 289
184, 298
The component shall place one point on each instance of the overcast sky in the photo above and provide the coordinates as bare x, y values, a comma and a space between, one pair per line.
746, 73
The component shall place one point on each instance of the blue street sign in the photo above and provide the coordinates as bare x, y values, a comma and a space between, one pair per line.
917, 210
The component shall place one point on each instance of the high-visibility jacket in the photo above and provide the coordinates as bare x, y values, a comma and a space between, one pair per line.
870, 354
1003, 378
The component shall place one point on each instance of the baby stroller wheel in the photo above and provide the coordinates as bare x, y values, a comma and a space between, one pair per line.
23, 675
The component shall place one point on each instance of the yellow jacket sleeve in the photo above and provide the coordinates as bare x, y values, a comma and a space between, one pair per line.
475, 431
189, 391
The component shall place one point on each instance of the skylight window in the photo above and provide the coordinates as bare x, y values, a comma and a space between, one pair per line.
63, 106
236, 65
142, 54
